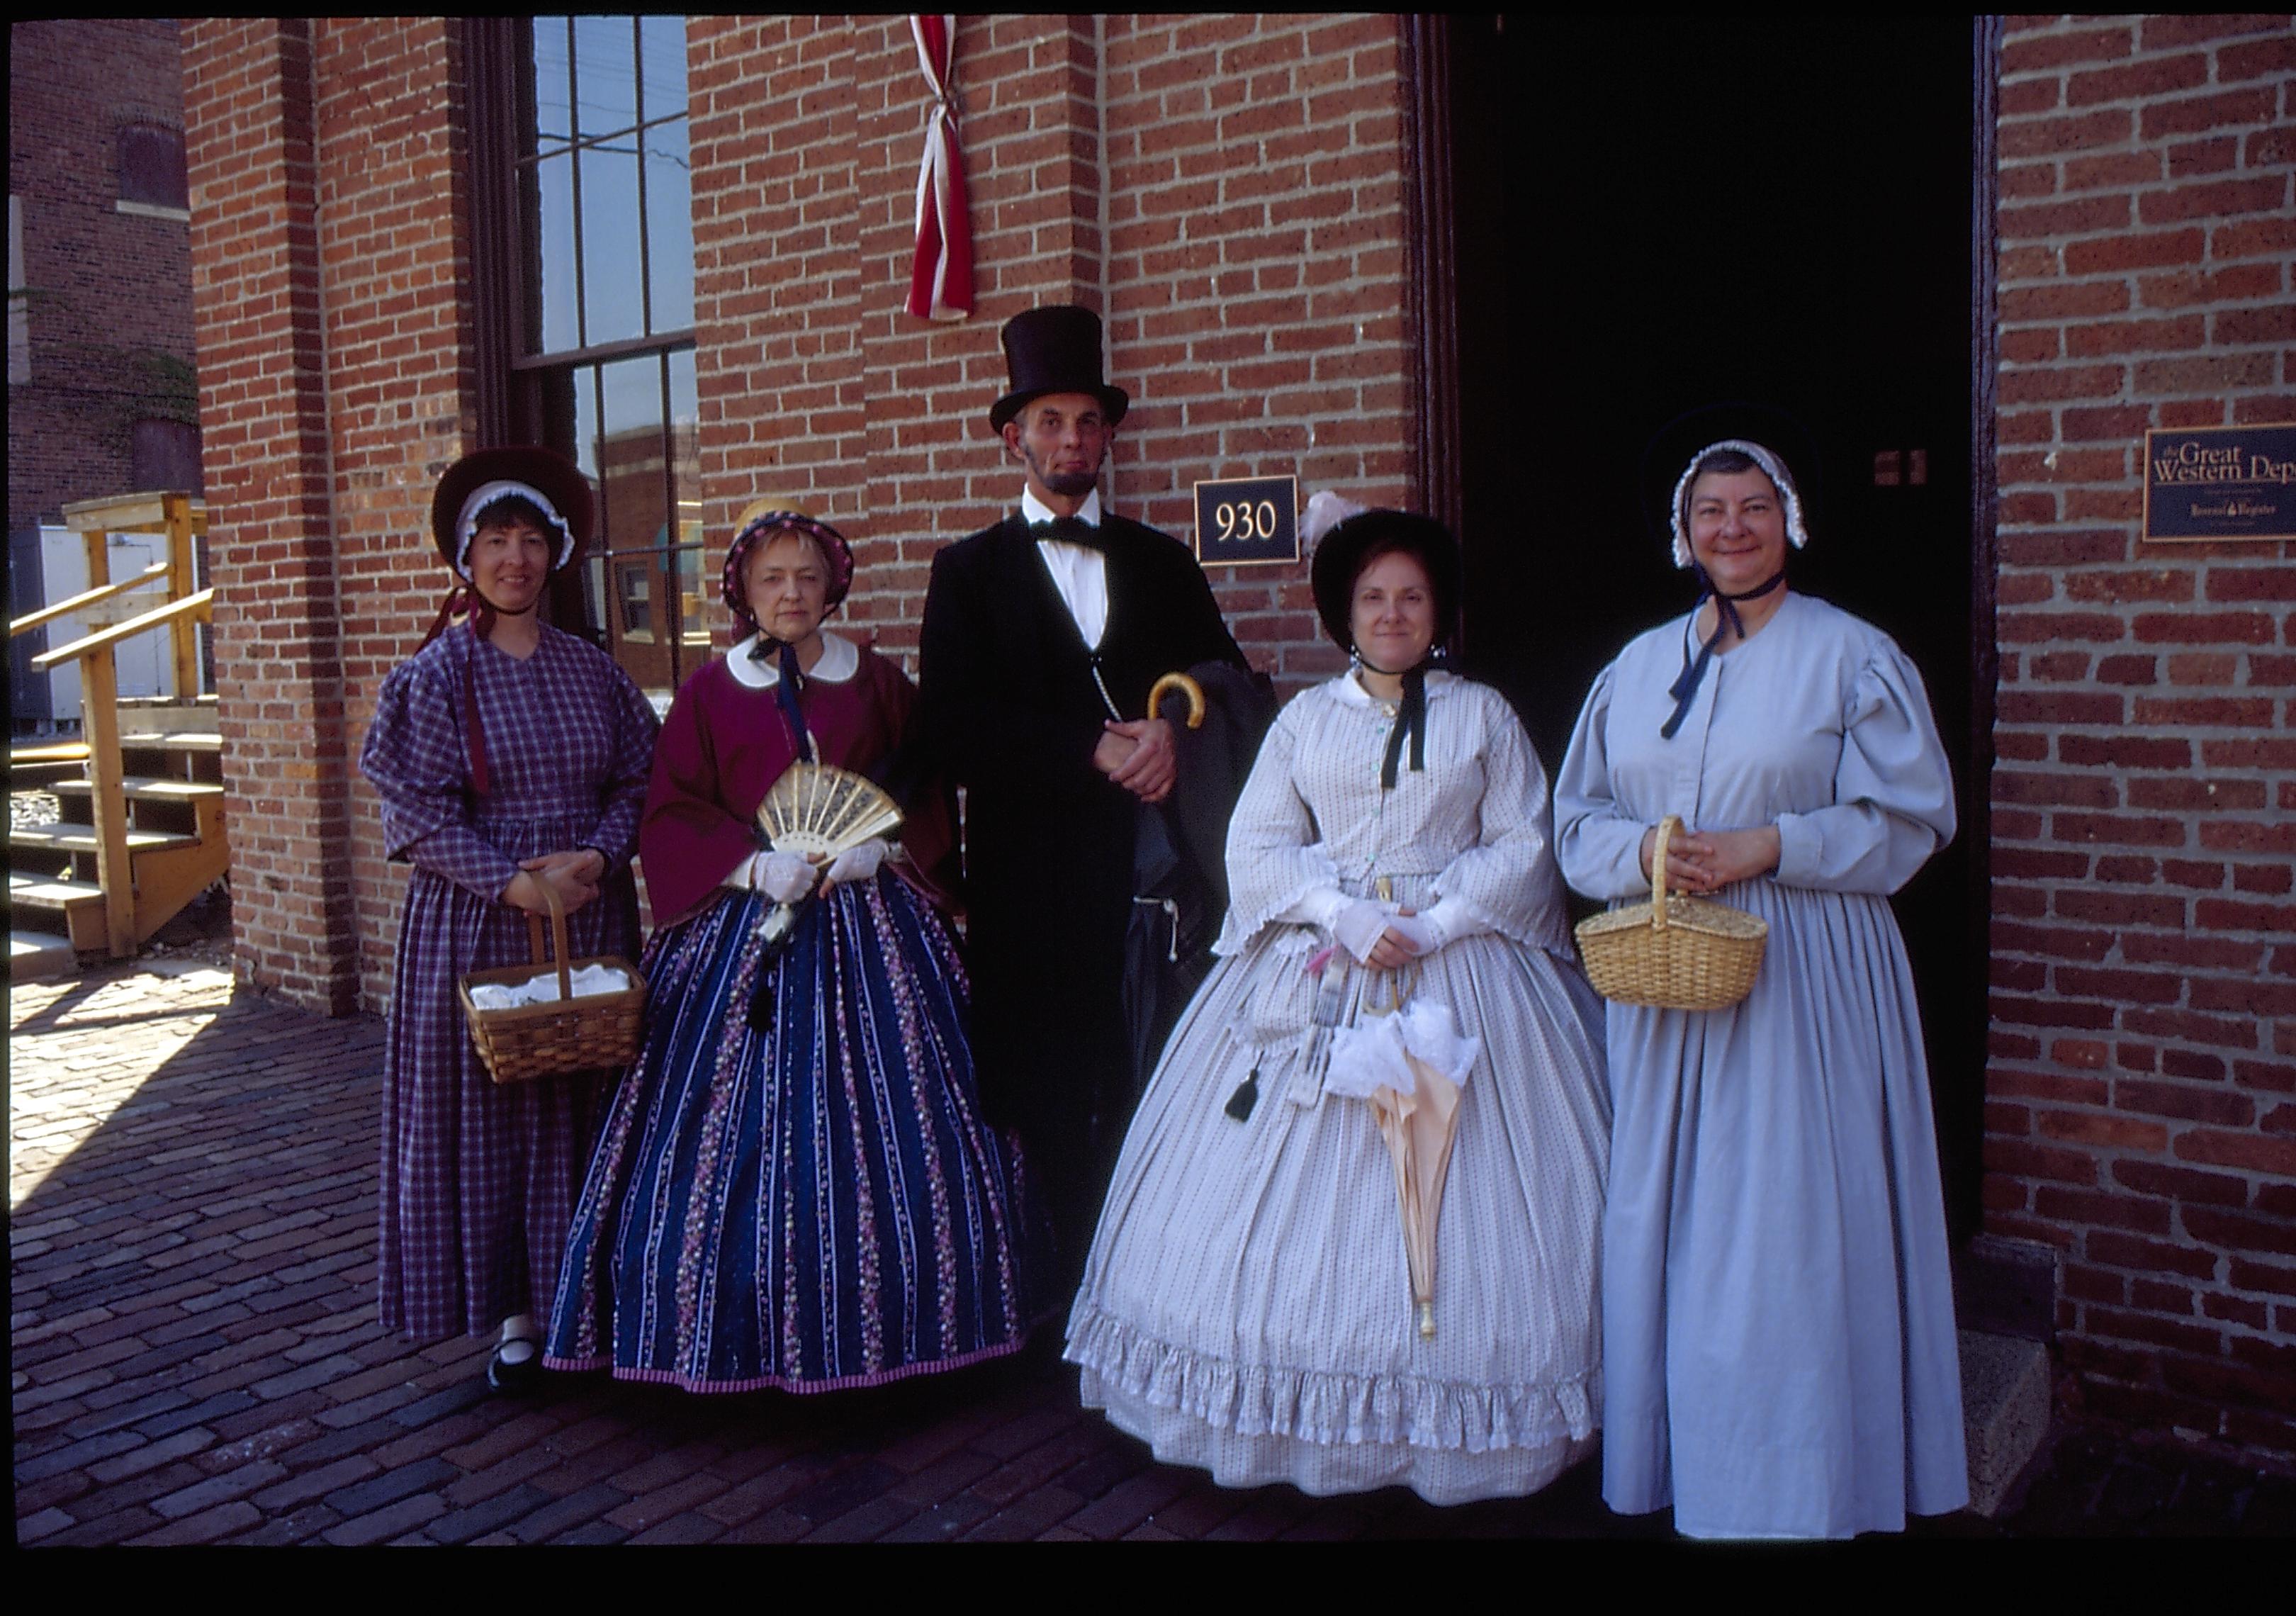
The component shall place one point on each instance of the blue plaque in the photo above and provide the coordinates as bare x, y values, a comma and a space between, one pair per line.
2220, 482
1244, 521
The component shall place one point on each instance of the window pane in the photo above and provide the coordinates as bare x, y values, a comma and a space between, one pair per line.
553, 110
605, 74
152, 166
585, 434
694, 602
612, 300
669, 225
630, 458
661, 44
696, 588
561, 327
635, 581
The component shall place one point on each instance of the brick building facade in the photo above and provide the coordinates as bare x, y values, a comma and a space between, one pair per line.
1247, 201
94, 112
100, 398
2141, 1109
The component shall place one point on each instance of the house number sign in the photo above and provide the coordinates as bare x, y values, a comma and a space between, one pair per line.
1248, 520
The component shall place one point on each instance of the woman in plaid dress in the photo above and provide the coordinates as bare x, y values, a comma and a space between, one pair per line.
509, 756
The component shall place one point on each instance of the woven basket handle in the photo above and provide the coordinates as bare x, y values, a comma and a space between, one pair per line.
557, 938
1666, 827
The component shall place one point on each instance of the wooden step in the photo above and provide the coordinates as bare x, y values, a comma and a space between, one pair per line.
178, 741
57, 752
38, 954
51, 892
144, 788
82, 839
79, 904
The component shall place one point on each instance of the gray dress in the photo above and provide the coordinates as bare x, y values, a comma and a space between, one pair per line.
1779, 1346
1247, 1306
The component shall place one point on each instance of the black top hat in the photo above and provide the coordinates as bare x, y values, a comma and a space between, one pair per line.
1053, 350
552, 475
1339, 558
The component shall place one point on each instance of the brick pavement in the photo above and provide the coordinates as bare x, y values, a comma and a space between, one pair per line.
195, 1357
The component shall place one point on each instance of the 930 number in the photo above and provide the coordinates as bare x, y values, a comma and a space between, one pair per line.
1241, 521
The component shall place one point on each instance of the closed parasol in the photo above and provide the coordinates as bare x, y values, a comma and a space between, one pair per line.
1409, 1066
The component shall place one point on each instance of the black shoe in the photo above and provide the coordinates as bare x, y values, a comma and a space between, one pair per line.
514, 1378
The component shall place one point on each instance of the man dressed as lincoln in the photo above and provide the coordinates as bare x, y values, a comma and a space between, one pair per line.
1042, 636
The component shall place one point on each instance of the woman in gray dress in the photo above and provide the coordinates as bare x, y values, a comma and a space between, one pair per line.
509, 756
1779, 1351
1248, 1304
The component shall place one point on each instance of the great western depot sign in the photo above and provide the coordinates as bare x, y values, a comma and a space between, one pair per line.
1245, 520
2220, 482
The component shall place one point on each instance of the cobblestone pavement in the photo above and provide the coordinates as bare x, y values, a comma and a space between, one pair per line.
195, 1357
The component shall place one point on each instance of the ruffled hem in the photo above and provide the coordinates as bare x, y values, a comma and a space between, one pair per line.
793, 1383
1325, 1406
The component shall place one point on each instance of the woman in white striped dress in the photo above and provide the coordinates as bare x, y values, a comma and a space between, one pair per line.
1246, 1306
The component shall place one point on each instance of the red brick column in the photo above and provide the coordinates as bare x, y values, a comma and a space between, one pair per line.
394, 212
256, 308
2142, 1112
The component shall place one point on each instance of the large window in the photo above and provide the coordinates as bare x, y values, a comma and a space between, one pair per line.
602, 357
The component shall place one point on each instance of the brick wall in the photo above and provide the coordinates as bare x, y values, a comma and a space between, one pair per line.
1226, 191
1250, 263
2142, 1112
401, 403
255, 297
110, 291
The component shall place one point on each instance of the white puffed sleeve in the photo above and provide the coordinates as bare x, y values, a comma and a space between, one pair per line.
1275, 866
1892, 791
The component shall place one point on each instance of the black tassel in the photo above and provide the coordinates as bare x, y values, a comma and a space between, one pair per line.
771, 945
1246, 1095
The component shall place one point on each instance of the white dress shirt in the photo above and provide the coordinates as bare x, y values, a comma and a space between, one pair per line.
1079, 574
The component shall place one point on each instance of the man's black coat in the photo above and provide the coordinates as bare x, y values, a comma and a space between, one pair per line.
1009, 708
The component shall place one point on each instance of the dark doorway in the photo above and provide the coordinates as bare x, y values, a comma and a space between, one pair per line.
1653, 216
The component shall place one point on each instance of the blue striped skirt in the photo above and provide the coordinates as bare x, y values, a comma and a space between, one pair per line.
812, 1209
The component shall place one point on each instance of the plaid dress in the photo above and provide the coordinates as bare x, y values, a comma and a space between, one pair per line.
479, 1180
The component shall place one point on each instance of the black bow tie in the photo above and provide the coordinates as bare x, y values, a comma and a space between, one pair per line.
1070, 530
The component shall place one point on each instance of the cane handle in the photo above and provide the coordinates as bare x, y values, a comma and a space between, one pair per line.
1188, 687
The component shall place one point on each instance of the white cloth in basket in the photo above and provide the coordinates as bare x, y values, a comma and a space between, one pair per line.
587, 980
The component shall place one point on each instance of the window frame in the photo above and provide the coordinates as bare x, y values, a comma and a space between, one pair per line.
526, 394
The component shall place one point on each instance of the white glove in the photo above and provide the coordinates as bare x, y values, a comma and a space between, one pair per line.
859, 863
1423, 933
785, 877
1358, 926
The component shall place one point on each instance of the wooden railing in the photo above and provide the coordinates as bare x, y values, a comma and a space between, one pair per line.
99, 688
86, 598
181, 518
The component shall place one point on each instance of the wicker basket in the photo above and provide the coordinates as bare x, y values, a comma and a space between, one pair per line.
1674, 953
528, 1041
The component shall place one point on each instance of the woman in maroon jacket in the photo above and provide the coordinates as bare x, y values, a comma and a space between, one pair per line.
795, 1187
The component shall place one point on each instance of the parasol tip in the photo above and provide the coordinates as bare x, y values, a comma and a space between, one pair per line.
1427, 1321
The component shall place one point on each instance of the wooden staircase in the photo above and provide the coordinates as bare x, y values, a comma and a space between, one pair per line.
142, 828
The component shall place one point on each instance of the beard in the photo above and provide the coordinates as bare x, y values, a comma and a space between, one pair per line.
1068, 484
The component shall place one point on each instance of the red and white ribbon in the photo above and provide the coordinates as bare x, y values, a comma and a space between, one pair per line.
940, 281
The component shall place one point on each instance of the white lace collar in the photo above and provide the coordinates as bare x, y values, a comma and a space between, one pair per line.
1350, 692
841, 660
